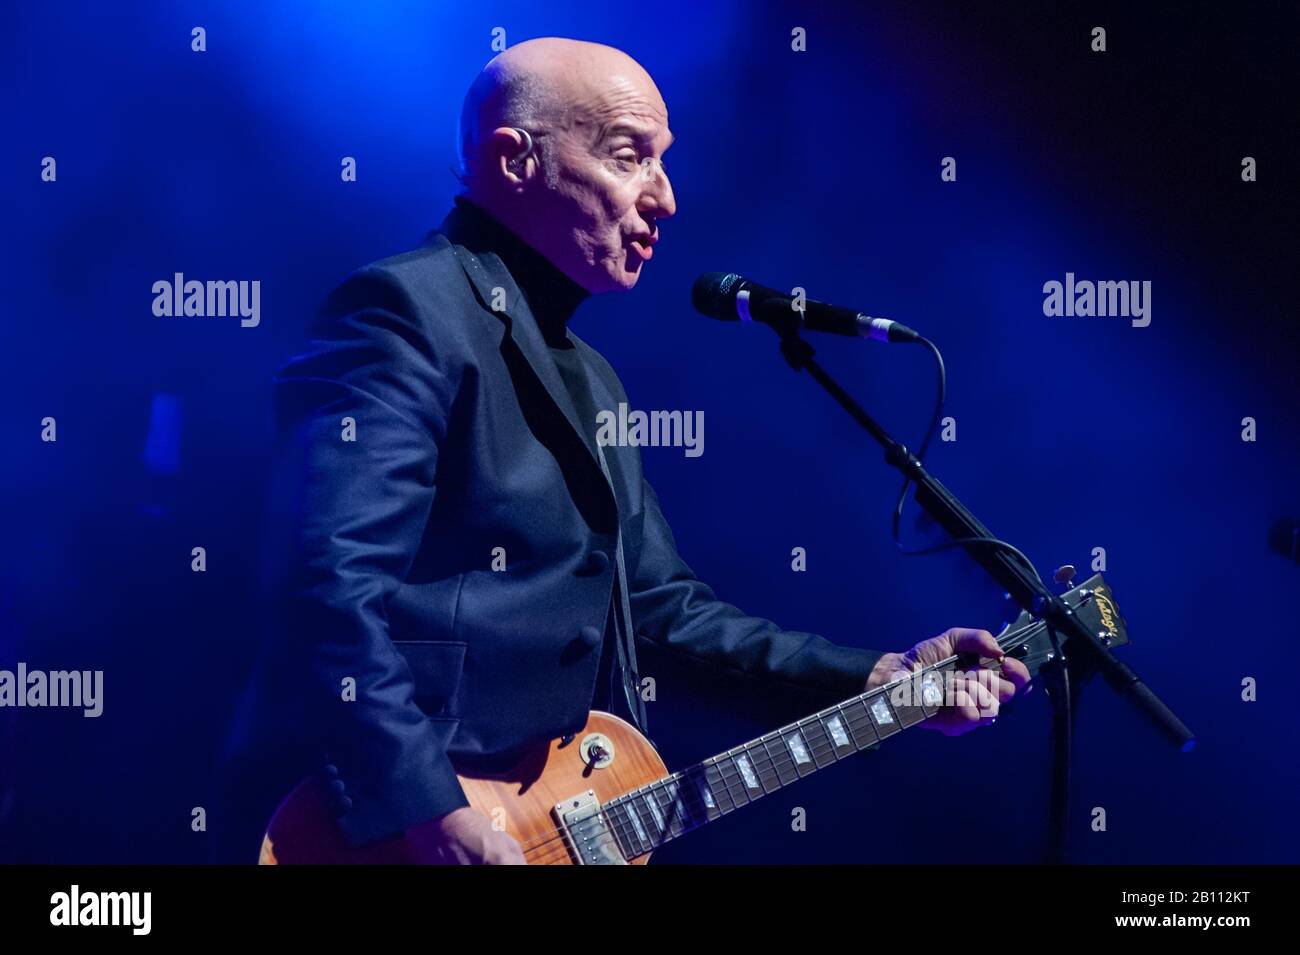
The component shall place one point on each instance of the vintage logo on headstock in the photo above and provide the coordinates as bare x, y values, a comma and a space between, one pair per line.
1106, 610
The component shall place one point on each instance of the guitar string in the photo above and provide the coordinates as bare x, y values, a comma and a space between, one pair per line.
780, 772
1006, 640
679, 813
683, 814
820, 746
686, 818
786, 763
549, 840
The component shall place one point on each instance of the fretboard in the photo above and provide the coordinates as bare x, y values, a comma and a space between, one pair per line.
646, 818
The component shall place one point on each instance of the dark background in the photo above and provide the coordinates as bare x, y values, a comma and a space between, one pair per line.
818, 169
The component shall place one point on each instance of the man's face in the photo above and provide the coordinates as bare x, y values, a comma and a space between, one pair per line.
606, 185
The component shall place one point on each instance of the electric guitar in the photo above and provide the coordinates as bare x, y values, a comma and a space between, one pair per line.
604, 797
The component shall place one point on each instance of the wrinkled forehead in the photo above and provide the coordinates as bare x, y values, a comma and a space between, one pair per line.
601, 101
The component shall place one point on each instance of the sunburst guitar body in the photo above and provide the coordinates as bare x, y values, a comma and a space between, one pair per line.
549, 802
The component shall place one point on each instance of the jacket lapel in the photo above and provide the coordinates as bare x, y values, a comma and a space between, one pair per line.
487, 272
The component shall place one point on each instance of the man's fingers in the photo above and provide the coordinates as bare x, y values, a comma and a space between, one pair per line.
987, 696
1003, 689
984, 644
979, 642
1016, 672
974, 696
976, 693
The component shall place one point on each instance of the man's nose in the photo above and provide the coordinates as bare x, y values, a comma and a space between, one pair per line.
658, 196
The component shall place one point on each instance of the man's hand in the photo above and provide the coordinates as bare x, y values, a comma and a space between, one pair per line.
975, 695
464, 837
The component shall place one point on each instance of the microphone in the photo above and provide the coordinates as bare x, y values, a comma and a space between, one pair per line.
731, 298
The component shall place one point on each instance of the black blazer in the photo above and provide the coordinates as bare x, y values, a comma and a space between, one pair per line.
420, 431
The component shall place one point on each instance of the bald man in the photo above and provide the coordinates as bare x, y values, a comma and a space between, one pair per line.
463, 570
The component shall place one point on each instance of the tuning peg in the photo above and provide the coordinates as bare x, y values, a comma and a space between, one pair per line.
1064, 576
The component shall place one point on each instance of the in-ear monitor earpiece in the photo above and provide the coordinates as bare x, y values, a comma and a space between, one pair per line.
528, 146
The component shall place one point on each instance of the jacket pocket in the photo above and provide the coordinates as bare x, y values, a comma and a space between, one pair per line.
436, 667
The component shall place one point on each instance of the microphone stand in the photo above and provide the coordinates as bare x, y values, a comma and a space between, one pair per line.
1087, 653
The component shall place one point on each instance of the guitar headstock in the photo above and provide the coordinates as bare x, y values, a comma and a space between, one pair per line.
1028, 640
1094, 604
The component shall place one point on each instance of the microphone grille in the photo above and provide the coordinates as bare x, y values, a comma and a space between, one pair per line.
713, 292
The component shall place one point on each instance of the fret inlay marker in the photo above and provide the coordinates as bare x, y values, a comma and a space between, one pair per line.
880, 710
747, 772
794, 743
837, 731
930, 692
675, 800
635, 816
706, 794
653, 805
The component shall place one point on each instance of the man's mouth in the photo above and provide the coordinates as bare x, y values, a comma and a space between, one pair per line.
644, 246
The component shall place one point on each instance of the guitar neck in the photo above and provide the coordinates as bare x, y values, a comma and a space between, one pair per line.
646, 818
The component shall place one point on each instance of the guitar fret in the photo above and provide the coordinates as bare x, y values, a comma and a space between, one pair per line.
662, 819
729, 774
905, 699
819, 742
654, 835
789, 775
617, 820
677, 795
671, 812
689, 807
700, 789
859, 724
656, 820
637, 828
797, 748
760, 758
749, 775
620, 830
836, 727
769, 773
716, 773
882, 715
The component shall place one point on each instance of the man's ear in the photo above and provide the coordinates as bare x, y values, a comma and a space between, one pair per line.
512, 155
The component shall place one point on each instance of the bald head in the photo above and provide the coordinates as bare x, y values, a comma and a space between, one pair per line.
590, 192
542, 85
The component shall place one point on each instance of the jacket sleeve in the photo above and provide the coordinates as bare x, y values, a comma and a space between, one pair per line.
681, 614
360, 417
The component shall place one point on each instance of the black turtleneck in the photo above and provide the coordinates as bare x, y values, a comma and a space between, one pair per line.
552, 297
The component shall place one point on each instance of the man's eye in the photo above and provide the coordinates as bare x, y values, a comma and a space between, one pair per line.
626, 155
